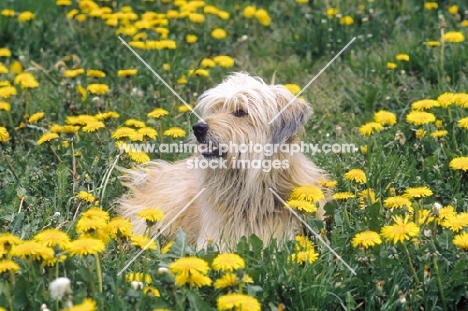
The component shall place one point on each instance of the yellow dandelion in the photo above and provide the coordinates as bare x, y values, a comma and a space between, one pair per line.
167, 248
98, 89
182, 80
420, 133
85, 246
8, 13
463, 123
122, 132
135, 123
461, 99
219, 33
301, 206
73, 73
198, 73
308, 193
343, 196
7, 240
7, 91
158, 113
5, 52
329, 184
148, 132
385, 118
83, 119
86, 305
446, 99
249, 11
366, 239
420, 117
25, 16
151, 215
127, 72
224, 61
138, 156
191, 38
185, 108
391, 65
402, 230
139, 277
119, 227
439, 133
456, 222
461, 240
95, 73
263, 17
418, 192
306, 256
4, 135
402, 57
53, 237
151, 291
32, 249
207, 63
228, 262
5, 106
8, 265
86, 196
26, 80
431, 5
175, 132
93, 126
90, 225
143, 242
235, 301
432, 43
454, 36
95, 213
397, 202
293, 88
189, 265
370, 128
3, 69
356, 175
445, 212
424, 104
107, 115
346, 20
231, 280
460, 163
47, 137
36, 117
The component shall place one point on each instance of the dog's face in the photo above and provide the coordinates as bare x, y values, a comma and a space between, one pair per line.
244, 110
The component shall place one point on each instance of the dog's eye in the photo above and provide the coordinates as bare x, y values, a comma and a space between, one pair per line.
240, 113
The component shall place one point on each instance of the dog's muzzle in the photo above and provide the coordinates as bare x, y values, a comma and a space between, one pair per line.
208, 148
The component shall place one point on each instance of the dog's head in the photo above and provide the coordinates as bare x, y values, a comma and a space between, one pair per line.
245, 110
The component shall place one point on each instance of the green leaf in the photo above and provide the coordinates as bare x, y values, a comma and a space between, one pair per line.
196, 303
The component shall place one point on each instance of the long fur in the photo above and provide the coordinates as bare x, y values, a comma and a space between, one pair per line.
236, 202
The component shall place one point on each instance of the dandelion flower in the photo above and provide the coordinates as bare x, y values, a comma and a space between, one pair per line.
346, 20
460, 163
224, 61
7, 240
167, 248
304, 256
127, 72
249, 11
293, 88
366, 239
53, 237
356, 175
219, 33
431, 5
198, 73
432, 43
228, 262
175, 132
119, 227
424, 104
5, 106
143, 242
107, 115
402, 57
439, 133
86, 305
461, 240
402, 230
391, 65
369, 128
343, 196
263, 17
4, 135
98, 89
420, 117
158, 113
456, 222
231, 280
445, 212
420, 133
152, 292
191, 38
329, 184
238, 302
8, 265
123, 132
385, 118
95, 73
32, 249
5, 52
418, 192
86, 196
148, 132
151, 215
454, 36
47, 137
446, 99
85, 246
83, 119
73, 73
397, 202
8, 13
95, 213
138, 156
26, 80
25, 16
301, 206
90, 225
7, 91
93, 126
309, 194
189, 265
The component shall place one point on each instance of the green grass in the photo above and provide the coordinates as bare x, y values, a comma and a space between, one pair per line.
39, 184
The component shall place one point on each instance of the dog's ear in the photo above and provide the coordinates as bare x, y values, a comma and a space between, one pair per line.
294, 113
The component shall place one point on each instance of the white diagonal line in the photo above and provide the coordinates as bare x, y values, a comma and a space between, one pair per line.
313, 79
161, 79
315, 233
159, 233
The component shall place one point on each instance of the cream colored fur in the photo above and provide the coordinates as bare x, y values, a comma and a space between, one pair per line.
236, 202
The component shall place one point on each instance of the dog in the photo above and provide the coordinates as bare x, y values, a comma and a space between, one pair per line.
232, 201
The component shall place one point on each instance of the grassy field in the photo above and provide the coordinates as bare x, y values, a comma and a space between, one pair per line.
71, 92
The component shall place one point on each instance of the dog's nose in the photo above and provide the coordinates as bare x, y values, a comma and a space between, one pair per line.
200, 129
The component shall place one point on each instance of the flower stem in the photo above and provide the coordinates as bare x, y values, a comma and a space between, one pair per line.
439, 284
98, 271
8, 295
90, 275
411, 264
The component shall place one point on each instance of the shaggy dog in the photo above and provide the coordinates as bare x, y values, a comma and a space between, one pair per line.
236, 200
